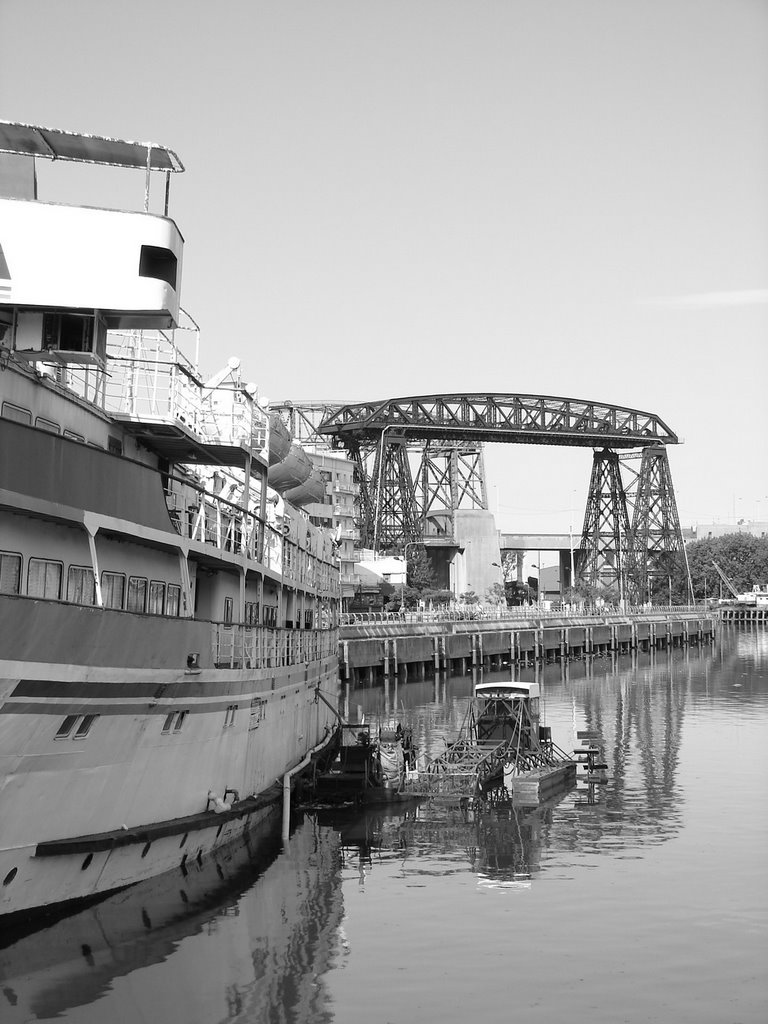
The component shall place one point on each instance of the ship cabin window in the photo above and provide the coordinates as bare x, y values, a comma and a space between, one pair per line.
10, 573
159, 263
114, 445
137, 594
229, 606
251, 613
67, 332
48, 425
229, 717
44, 579
173, 600
74, 437
66, 727
308, 618
270, 615
181, 717
156, 598
81, 586
168, 721
16, 413
113, 589
85, 726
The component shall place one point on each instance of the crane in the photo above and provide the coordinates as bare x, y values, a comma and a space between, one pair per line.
725, 579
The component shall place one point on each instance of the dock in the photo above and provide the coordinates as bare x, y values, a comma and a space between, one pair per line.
372, 647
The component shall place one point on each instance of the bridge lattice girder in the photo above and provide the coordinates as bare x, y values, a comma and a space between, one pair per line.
630, 533
524, 419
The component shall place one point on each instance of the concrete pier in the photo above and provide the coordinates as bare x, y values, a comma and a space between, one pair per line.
369, 650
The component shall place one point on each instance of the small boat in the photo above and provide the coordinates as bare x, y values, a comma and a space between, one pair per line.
368, 768
502, 752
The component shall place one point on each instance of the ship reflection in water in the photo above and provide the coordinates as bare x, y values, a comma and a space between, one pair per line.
243, 935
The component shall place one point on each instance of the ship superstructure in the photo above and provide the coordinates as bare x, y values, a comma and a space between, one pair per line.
168, 643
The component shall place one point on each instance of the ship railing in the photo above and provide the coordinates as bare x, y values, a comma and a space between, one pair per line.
151, 380
198, 514
252, 647
87, 381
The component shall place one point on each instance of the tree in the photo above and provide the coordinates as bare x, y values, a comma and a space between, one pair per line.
421, 575
742, 557
495, 594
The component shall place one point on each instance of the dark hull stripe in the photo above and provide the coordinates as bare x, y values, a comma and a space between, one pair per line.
191, 688
148, 833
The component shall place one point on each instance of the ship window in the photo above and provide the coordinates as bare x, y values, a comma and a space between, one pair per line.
10, 573
114, 445
48, 425
156, 597
252, 613
85, 726
66, 726
16, 413
112, 589
159, 263
44, 579
74, 437
81, 586
168, 721
180, 719
173, 600
67, 332
137, 594
229, 605
229, 717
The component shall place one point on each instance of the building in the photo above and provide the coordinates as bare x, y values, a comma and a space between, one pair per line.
337, 510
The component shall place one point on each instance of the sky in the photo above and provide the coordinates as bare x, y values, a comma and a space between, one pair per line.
387, 198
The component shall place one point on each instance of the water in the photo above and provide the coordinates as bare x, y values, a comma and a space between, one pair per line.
644, 899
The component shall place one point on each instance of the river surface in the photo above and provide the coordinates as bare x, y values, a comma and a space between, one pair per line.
642, 899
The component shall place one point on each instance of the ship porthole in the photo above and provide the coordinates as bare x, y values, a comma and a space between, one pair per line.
145, 851
10, 876
87, 862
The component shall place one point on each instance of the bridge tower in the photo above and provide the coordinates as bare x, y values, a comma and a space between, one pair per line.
451, 477
391, 498
608, 555
655, 522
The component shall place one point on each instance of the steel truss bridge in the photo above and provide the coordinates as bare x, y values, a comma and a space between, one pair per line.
419, 460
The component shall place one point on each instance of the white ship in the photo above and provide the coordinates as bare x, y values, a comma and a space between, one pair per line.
168, 619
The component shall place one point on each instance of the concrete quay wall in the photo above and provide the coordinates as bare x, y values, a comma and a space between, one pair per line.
368, 650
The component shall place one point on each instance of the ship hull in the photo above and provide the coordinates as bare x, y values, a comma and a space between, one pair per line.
175, 763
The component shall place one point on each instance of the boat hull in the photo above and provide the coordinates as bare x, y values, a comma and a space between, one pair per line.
175, 761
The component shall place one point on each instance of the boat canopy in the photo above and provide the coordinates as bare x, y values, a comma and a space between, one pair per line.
55, 144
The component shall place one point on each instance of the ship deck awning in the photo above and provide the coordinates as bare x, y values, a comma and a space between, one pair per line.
174, 442
56, 144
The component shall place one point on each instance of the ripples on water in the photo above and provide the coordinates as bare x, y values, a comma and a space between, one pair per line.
643, 899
